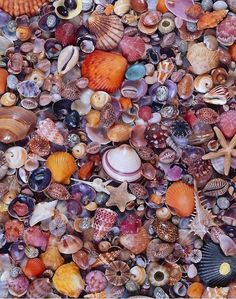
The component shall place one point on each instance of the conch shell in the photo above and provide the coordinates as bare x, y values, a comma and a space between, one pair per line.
15, 124
108, 30
211, 19
68, 281
202, 59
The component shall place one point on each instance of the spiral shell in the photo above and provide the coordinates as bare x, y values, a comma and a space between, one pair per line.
203, 83
16, 156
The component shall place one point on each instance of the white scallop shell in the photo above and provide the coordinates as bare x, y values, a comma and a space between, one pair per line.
121, 7
16, 156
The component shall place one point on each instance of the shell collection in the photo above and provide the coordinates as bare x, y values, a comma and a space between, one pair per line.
117, 149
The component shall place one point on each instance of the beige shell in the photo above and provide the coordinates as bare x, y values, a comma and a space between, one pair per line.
52, 258
119, 132
121, 7
79, 150
108, 30
99, 99
72, 13
138, 274
15, 156
43, 211
8, 99
67, 59
202, 59
203, 83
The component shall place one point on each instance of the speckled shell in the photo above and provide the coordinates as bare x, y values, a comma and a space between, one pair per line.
108, 30
48, 130
136, 243
18, 7
166, 230
185, 86
211, 19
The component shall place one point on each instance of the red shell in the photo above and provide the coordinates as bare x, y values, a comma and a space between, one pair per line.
227, 123
66, 34
132, 47
34, 236
208, 115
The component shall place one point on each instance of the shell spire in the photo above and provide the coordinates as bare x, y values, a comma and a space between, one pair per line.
105, 258
203, 218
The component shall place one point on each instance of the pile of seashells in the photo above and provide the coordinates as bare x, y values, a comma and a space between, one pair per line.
117, 149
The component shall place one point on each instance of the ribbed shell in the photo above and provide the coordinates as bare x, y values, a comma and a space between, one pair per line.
22, 7
108, 30
113, 273
209, 267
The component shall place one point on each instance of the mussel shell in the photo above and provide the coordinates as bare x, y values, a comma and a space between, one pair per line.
21, 199
40, 179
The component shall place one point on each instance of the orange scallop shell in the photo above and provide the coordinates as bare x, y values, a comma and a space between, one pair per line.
180, 197
62, 166
22, 7
3, 80
104, 70
211, 19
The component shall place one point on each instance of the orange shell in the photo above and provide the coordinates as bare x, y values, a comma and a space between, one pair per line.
22, 7
62, 166
180, 197
161, 6
232, 52
195, 290
211, 19
34, 268
104, 70
3, 80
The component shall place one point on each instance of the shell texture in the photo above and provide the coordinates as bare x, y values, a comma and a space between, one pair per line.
211, 19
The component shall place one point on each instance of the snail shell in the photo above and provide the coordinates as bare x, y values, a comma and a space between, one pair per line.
219, 76
203, 83
16, 156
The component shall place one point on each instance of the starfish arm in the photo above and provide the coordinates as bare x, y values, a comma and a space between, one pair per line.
220, 137
227, 163
232, 143
213, 155
233, 153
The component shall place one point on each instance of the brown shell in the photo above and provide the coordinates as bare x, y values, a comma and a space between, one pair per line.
211, 19
216, 187
166, 230
208, 115
136, 243
58, 191
22, 7
39, 146
108, 30
118, 273
138, 190
157, 250
106, 258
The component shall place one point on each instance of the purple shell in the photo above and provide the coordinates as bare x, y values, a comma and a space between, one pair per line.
19, 204
40, 179
178, 8
17, 250
172, 89
134, 89
28, 89
83, 192
4, 18
18, 286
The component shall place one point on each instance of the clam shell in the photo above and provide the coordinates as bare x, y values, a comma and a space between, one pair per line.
69, 244
67, 59
121, 7
136, 243
108, 30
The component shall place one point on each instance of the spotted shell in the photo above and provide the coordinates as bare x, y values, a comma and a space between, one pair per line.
166, 230
208, 115
39, 146
17, 7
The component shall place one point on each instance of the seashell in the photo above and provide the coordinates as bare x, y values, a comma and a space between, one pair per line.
108, 30
132, 47
208, 115
166, 25
166, 230
216, 187
203, 83
152, 18
139, 6
39, 288
52, 258
35, 237
219, 76
211, 42
149, 30
39, 146
95, 281
158, 276
167, 156
43, 211
83, 106
99, 99
68, 12
180, 9
57, 191
216, 269
103, 222
40, 179
15, 156
138, 274
118, 273
225, 31
211, 19
227, 123
23, 33
69, 244
21, 207
28, 89
185, 87
180, 197
205, 60
82, 259
8, 99
219, 95
164, 70
157, 250
3, 82
106, 79
136, 243
16, 8
68, 281
194, 11
47, 129
18, 286
119, 132
29, 103
62, 165
215, 293
67, 59
3, 165
121, 7
122, 163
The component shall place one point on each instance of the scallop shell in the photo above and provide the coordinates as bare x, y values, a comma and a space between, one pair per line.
217, 293
216, 269
109, 69
108, 30
132, 47
15, 124
15, 156
67, 59
68, 281
43, 211
180, 197
211, 19
202, 59
62, 165
18, 7
121, 7
39, 146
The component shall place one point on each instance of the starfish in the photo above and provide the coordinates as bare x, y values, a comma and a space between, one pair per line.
228, 150
119, 196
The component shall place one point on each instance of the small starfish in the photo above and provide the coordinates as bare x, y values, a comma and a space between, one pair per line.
119, 196
228, 150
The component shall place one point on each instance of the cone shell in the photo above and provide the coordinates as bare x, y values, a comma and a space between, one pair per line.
202, 59
108, 30
180, 197
18, 7
62, 165
136, 243
68, 281
109, 69
216, 269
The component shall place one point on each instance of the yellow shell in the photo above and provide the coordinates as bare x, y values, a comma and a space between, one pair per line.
8, 99
52, 258
68, 281
23, 33
62, 166
119, 133
93, 118
99, 99
121, 7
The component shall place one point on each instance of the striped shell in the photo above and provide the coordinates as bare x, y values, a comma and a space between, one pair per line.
216, 187
39, 146
108, 30
207, 115
22, 7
